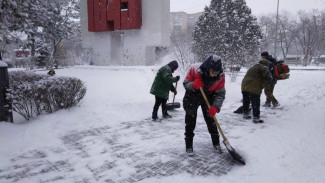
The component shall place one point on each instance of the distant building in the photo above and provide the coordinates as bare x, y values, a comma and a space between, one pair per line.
21, 53
182, 21
20, 58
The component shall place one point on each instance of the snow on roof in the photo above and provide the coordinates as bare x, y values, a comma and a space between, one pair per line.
21, 50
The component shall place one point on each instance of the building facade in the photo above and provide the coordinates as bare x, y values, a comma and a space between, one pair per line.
124, 32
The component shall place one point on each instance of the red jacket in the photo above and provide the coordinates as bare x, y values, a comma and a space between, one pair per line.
217, 88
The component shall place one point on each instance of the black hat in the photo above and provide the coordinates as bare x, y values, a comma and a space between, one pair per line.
215, 63
265, 54
173, 65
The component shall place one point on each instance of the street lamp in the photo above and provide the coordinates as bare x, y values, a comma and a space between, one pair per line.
276, 28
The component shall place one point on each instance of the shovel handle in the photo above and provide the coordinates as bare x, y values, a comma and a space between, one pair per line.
174, 93
214, 117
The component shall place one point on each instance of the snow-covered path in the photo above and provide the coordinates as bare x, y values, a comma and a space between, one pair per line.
108, 139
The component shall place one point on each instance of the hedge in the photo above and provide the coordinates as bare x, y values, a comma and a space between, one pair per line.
33, 94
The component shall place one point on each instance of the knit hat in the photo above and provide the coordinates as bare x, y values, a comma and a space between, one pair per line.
265, 54
213, 62
173, 65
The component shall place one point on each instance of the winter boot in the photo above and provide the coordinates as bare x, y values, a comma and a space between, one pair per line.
257, 120
247, 116
218, 149
154, 116
216, 143
166, 115
189, 146
267, 104
277, 104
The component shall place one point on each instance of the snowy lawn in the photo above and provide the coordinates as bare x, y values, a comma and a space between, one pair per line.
108, 137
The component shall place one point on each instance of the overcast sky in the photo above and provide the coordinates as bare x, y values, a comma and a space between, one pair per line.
258, 7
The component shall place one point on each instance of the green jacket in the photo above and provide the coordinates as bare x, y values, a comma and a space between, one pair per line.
163, 83
256, 78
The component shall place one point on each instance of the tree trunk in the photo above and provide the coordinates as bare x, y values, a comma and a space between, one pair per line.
55, 56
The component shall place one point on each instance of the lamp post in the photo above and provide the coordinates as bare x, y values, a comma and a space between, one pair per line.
5, 107
276, 28
0, 52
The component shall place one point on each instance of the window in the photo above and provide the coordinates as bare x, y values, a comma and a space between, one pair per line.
125, 6
178, 19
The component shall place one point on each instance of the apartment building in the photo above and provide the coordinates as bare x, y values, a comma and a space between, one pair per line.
182, 21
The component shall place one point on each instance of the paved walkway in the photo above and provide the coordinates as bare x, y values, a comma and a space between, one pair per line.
134, 151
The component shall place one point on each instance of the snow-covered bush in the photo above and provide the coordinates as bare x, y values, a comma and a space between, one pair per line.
32, 94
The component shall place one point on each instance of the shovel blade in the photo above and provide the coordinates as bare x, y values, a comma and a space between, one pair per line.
234, 154
174, 105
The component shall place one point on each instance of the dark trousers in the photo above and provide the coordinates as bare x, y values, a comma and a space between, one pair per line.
268, 90
191, 103
255, 100
162, 102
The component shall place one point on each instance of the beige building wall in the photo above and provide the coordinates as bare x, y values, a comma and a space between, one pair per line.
181, 21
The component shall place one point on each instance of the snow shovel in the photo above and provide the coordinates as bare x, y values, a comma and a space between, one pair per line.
173, 105
230, 149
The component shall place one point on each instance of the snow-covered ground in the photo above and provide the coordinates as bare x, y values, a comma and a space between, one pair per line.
108, 137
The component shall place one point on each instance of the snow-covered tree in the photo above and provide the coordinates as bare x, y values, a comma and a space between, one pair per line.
61, 24
46, 23
300, 34
227, 28
310, 33
181, 48
10, 20
32, 22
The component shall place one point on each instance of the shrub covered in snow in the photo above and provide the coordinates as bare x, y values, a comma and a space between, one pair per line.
33, 94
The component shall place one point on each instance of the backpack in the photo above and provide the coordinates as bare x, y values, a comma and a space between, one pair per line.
281, 70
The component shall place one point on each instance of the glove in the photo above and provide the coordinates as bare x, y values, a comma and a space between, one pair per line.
175, 92
213, 110
197, 84
177, 78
